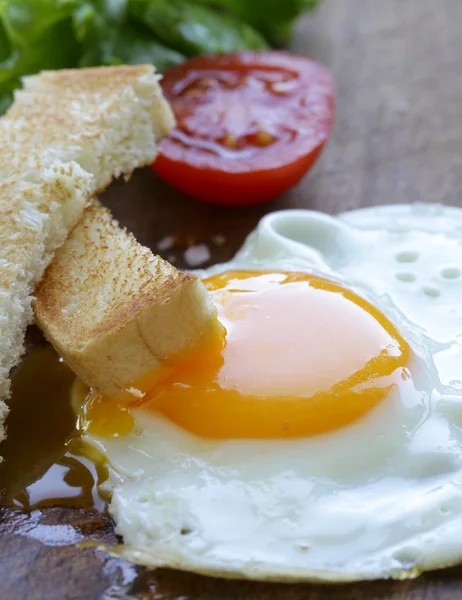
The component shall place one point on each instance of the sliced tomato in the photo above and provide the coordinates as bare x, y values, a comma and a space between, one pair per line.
249, 125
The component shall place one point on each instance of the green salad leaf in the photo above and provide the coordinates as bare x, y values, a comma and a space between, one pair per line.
273, 18
134, 45
31, 33
195, 29
53, 34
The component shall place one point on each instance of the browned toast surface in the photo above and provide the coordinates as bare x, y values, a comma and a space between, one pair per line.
113, 310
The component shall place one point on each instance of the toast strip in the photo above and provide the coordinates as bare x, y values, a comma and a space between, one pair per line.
113, 310
66, 135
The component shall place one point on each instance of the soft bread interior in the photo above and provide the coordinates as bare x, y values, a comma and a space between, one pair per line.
66, 135
113, 310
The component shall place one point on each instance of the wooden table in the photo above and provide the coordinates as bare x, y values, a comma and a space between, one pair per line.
398, 138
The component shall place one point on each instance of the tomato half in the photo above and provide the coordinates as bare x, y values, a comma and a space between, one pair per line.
249, 125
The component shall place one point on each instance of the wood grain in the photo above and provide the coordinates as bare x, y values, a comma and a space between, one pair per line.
398, 138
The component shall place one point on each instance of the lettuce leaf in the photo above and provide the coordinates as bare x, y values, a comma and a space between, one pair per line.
272, 18
195, 29
30, 33
133, 45
53, 34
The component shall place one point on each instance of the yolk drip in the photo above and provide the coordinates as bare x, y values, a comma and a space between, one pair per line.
107, 416
302, 356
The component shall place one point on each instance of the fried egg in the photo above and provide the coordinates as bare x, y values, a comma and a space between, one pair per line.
323, 439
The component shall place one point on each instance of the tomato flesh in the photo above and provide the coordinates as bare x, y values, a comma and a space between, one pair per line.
249, 125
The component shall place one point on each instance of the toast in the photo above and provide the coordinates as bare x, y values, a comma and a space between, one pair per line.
106, 119
66, 136
113, 310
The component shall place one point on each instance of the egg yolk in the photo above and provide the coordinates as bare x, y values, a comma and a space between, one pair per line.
302, 356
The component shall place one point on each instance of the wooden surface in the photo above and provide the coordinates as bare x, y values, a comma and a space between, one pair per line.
398, 138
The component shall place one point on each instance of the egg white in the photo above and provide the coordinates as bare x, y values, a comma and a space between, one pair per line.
379, 498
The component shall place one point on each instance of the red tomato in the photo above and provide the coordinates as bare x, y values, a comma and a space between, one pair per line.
249, 125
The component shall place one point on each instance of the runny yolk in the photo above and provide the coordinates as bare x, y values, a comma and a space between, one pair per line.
302, 356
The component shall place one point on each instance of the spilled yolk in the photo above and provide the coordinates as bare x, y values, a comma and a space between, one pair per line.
302, 356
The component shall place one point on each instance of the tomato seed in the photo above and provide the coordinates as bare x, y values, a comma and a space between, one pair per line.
193, 92
230, 140
283, 87
264, 138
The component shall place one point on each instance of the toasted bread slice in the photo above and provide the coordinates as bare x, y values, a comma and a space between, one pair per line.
113, 310
107, 119
67, 134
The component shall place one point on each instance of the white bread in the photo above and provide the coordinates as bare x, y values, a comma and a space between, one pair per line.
66, 135
113, 310
107, 119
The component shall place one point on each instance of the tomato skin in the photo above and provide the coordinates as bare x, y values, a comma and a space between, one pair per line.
197, 159
233, 189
